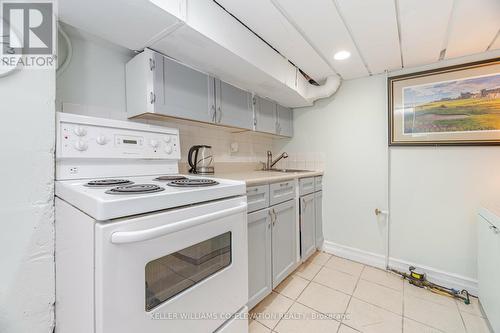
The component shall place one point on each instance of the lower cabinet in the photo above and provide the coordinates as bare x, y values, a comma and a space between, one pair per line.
259, 256
284, 237
307, 226
272, 245
318, 207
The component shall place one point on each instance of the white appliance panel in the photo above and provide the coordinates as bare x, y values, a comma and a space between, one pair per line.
124, 249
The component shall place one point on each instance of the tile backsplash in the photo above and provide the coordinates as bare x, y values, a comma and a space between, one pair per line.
250, 147
302, 161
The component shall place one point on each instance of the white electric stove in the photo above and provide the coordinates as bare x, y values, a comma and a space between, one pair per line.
140, 248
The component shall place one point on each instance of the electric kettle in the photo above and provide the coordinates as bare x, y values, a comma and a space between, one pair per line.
200, 159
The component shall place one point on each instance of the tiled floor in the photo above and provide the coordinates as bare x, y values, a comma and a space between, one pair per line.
334, 295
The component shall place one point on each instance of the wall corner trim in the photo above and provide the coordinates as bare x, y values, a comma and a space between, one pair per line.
447, 279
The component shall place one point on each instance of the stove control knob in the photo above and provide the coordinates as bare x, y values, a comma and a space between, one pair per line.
80, 131
168, 139
101, 140
81, 145
168, 149
154, 143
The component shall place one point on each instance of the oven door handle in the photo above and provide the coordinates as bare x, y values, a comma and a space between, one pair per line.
125, 237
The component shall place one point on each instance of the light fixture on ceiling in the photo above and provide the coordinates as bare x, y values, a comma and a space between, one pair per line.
342, 55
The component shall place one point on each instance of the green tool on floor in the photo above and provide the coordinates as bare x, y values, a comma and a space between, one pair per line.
420, 280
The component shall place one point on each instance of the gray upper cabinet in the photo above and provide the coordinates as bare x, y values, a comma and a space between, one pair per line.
233, 106
284, 123
259, 256
181, 91
158, 86
265, 115
284, 246
307, 226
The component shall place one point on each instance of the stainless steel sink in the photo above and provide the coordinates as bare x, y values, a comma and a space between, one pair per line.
288, 170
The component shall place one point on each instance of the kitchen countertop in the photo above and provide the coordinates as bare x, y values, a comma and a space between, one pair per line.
253, 178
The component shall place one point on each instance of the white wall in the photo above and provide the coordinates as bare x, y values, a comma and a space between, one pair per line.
349, 130
94, 85
26, 202
434, 199
435, 192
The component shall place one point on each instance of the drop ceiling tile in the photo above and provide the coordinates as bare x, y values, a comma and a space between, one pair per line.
264, 19
473, 26
424, 25
324, 29
374, 28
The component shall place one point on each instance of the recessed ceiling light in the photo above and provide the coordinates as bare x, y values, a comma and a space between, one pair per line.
342, 55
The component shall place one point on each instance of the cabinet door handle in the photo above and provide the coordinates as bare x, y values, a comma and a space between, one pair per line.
219, 111
152, 97
271, 216
151, 64
304, 203
494, 229
283, 184
252, 190
212, 110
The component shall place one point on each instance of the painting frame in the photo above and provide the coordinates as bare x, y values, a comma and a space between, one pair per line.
397, 109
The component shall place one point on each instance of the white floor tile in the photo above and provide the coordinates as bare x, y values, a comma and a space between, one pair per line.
472, 308
372, 319
319, 258
346, 329
382, 277
442, 317
255, 327
426, 295
379, 295
292, 286
272, 309
475, 324
308, 270
411, 326
337, 280
300, 319
344, 265
324, 300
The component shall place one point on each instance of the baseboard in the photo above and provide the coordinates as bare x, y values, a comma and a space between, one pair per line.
446, 279
351, 253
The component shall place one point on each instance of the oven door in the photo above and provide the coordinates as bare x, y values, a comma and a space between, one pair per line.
183, 270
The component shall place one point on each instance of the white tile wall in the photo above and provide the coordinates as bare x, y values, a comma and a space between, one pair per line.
303, 161
251, 147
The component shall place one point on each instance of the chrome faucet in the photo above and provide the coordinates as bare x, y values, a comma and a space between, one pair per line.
270, 163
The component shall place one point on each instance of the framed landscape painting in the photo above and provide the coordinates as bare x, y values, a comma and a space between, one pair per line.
457, 105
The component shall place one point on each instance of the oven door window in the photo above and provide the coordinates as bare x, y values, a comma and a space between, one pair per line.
172, 274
